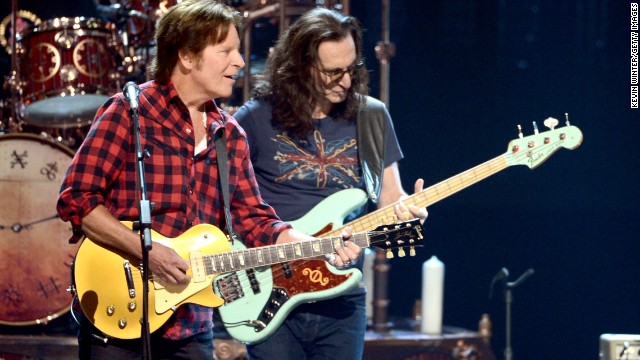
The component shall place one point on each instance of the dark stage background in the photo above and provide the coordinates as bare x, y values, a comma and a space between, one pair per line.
466, 73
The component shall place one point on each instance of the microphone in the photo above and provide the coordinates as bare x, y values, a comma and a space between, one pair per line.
521, 279
131, 92
501, 275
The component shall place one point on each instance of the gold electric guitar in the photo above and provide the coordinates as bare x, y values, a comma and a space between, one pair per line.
108, 282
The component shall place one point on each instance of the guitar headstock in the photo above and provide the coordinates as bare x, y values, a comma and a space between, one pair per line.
534, 149
397, 235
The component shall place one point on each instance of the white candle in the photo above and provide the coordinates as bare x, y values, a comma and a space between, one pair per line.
432, 296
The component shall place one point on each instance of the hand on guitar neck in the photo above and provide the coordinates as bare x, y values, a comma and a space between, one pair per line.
407, 212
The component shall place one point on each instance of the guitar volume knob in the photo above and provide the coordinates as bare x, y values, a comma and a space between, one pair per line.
110, 310
122, 323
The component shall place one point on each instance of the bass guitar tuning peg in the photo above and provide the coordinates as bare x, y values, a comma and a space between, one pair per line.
551, 123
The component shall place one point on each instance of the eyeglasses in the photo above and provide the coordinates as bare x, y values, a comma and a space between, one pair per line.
336, 75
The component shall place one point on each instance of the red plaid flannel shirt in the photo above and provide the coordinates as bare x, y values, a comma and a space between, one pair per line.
184, 188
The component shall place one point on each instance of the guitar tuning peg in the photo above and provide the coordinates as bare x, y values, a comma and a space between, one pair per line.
389, 254
535, 128
566, 116
412, 251
401, 252
520, 131
551, 123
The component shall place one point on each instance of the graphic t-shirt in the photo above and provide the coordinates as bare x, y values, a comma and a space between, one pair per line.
295, 174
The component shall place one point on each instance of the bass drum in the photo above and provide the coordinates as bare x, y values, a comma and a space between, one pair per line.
36, 256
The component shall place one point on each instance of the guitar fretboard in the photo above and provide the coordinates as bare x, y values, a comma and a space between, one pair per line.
274, 254
431, 194
531, 151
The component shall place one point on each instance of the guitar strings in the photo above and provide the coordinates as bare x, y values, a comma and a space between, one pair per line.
481, 171
478, 170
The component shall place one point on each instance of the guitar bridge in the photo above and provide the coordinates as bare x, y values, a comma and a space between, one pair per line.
230, 287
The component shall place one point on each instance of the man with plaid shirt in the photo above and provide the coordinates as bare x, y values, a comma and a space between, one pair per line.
197, 61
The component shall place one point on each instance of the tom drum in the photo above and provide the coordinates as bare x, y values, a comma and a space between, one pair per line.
68, 70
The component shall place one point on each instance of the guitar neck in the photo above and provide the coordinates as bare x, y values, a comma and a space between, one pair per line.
430, 195
274, 254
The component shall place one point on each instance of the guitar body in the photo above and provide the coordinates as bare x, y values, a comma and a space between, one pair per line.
330, 213
258, 301
101, 283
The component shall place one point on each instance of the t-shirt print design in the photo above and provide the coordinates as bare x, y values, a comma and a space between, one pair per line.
333, 161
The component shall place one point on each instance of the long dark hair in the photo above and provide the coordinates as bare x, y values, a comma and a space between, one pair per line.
286, 82
190, 26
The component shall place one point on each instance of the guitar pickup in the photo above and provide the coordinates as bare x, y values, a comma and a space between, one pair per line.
288, 273
129, 276
253, 281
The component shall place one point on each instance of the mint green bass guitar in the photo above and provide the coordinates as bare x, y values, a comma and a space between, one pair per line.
258, 300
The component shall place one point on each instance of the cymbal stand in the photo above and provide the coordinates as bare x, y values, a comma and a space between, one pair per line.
13, 80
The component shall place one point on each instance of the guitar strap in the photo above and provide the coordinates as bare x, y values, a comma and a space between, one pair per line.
371, 130
220, 140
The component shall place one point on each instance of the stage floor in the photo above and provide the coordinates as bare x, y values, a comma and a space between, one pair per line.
454, 344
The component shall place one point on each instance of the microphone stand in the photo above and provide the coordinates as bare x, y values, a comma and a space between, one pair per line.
145, 235
508, 298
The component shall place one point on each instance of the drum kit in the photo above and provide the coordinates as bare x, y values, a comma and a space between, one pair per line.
62, 71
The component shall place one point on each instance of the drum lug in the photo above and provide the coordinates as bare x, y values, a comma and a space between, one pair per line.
66, 41
72, 290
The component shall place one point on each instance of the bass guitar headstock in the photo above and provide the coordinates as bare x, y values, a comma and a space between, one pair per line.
534, 149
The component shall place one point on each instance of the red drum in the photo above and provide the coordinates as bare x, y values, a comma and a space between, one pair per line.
36, 256
68, 70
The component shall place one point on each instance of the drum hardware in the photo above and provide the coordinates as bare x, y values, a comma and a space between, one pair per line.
24, 20
118, 13
70, 137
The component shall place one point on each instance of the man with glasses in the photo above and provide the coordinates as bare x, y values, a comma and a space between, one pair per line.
307, 141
